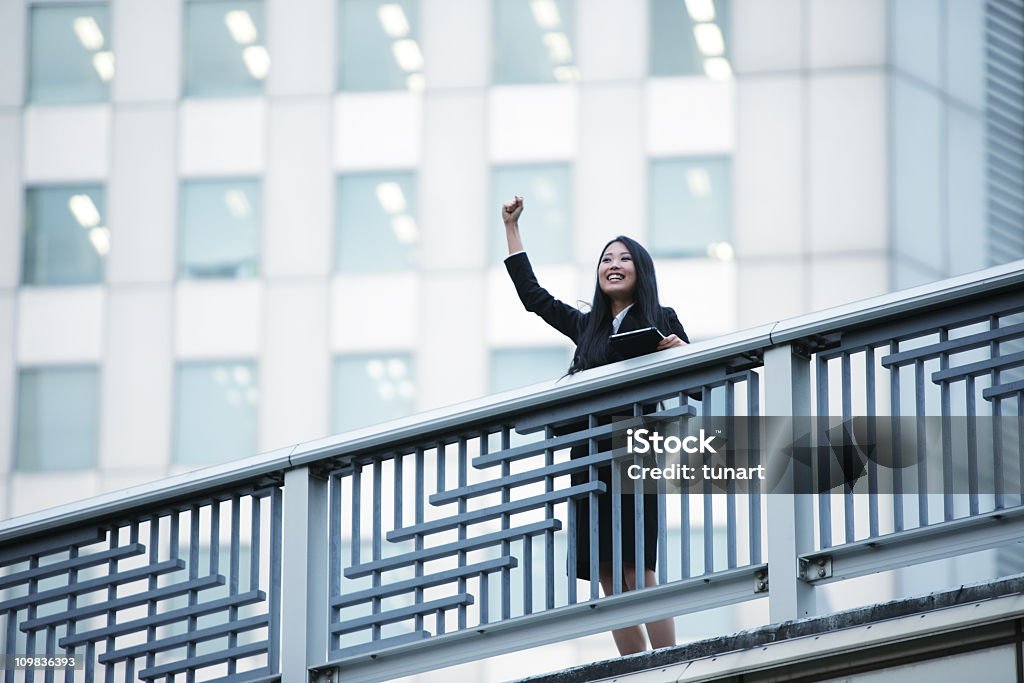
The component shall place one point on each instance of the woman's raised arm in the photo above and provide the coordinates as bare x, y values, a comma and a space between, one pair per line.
510, 216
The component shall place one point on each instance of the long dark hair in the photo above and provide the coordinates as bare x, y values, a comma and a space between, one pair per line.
592, 348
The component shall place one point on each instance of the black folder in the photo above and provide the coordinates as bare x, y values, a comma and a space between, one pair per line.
637, 342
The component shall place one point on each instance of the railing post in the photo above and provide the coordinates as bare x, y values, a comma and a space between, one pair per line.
787, 372
304, 608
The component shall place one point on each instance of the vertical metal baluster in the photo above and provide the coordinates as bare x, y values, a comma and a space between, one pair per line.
485, 597
549, 536
506, 548
439, 463
462, 527
662, 527
945, 411
972, 447
920, 410
376, 547
730, 487
421, 485
214, 537
399, 486
593, 521
897, 469
1020, 441
616, 503
570, 547
276, 541
108, 671
357, 507
193, 595
997, 437
30, 637
233, 571
848, 454
753, 453
709, 511
640, 556
527, 574
72, 602
255, 542
821, 458
871, 409
10, 642
685, 530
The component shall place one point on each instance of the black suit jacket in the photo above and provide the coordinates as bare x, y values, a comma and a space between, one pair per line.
567, 319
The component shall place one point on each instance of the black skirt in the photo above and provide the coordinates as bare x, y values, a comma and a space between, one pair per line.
604, 520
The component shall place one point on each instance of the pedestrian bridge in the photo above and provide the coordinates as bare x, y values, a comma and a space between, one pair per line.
446, 537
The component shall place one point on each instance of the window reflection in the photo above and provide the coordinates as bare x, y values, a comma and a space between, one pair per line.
225, 48
690, 38
66, 236
546, 188
690, 207
533, 41
58, 419
70, 59
372, 388
378, 45
220, 229
376, 224
215, 412
514, 368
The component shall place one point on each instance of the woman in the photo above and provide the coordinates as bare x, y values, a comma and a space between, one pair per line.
625, 298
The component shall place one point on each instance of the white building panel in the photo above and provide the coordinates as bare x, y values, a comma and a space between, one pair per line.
613, 40
965, 191
964, 42
60, 325
531, 123
916, 42
456, 43
301, 42
218, 319
768, 167
13, 21
295, 367
66, 144
298, 190
7, 382
457, 338
509, 324
767, 35
690, 116
455, 209
137, 380
610, 196
771, 289
148, 42
372, 312
845, 33
379, 130
848, 176
841, 280
222, 137
703, 294
142, 196
12, 200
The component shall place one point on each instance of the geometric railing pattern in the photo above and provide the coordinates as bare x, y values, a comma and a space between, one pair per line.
450, 536
182, 591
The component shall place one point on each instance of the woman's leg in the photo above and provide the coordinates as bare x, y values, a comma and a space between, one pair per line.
630, 639
662, 632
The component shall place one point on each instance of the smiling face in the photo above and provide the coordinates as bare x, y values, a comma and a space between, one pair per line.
616, 274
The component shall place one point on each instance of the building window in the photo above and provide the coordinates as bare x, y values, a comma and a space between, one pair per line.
514, 368
58, 419
378, 45
372, 388
534, 41
220, 229
215, 412
69, 54
690, 208
375, 223
689, 38
66, 237
225, 48
547, 223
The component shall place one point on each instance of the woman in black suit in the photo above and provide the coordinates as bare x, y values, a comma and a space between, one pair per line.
625, 298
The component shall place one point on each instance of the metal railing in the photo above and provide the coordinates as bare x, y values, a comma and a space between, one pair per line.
450, 536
